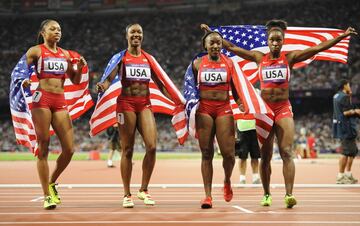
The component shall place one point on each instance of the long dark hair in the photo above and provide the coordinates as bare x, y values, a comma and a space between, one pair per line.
279, 25
40, 38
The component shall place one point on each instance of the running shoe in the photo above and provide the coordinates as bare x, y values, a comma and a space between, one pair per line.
128, 202
352, 179
257, 181
206, 203
343, 180
146, 197
54, 193
228, 192
49, 203
266, 200
290, 201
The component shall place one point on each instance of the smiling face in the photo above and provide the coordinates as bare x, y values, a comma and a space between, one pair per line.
134, 35
51, 31
213, 45
275, 41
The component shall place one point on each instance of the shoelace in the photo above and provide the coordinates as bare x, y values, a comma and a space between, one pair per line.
54, 188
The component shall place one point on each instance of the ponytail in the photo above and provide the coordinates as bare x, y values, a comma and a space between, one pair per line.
40, 38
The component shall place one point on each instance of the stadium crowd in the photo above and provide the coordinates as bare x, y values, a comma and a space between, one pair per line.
174, 38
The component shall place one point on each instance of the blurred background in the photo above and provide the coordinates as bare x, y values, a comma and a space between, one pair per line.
96, 29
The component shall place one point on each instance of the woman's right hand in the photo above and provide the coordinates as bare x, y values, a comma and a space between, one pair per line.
205, 27
26, 83
101, 87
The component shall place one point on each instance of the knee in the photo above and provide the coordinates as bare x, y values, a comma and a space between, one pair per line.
128, 152
207, 154
151, 149
266, 157
229, 155
43, 142
286, 153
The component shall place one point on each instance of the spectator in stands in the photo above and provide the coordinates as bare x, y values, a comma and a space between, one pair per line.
344, 128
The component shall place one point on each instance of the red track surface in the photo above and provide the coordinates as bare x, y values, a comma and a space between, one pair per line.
176, 206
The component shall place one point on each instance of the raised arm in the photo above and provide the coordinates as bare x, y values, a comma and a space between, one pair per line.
254, 56
297, 56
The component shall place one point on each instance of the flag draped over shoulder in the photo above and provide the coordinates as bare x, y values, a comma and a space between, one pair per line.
251, 100
104, 114
296, 38
77, 98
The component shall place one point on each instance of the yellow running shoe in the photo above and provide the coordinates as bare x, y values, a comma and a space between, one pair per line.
128, 202
54, 194
49, 203
144, 195
290, 201
266, 200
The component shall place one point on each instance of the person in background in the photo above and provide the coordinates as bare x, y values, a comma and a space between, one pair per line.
344, 128
302, 148
247, 143
114, 143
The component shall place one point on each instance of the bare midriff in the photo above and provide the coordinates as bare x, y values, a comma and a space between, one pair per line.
275, 94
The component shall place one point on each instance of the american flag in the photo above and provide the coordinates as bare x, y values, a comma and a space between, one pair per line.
104, 114
251, 100
252, 37
77, 98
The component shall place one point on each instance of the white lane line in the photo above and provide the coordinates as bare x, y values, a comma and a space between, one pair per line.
195, 200
243, 209
189, 200
185, 212
37, 199
181, 222
181, 185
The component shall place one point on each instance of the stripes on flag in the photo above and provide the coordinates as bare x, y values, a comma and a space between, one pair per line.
77, 97
104, 114
251, 100
296, 38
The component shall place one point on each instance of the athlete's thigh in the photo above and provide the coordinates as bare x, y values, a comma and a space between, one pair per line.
127, 126
41, 118
147, 127
225, 132
62, 126
285, 129
205, 128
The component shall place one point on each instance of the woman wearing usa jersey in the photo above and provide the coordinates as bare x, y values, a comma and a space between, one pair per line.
49, 106
274, 71
135, 69
214, 117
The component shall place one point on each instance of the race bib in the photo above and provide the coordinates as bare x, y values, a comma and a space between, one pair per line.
213, 76
120, 118
55, 65
275, 73
36, 96
138, 72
